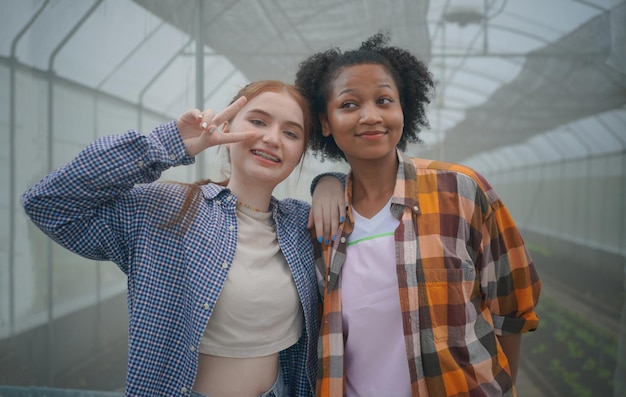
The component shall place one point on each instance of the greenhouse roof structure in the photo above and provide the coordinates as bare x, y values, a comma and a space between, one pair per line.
518, 74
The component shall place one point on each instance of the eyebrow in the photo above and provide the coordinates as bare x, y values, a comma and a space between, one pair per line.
347, 90
266, 114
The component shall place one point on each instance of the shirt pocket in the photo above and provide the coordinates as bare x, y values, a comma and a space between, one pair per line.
453, 301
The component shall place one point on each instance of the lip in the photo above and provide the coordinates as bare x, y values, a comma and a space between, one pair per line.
258, 153
371, 133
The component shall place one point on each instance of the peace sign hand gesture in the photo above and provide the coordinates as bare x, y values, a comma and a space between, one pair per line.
199, 129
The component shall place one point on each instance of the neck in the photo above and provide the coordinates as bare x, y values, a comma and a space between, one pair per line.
372, 186
254, 197
373, 183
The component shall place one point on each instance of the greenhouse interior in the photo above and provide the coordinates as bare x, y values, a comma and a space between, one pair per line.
531, 94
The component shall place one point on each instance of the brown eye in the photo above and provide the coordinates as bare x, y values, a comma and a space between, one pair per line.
348, 105
291, 134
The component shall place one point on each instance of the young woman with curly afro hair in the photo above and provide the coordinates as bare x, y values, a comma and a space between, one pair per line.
427, 284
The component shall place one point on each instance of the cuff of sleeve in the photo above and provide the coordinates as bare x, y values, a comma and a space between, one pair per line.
339, 175
169, 136
515, 325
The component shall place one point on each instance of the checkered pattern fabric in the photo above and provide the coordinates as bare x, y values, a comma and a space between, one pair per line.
464, 277
106, 205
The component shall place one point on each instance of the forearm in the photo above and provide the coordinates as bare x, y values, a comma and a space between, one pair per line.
511, 345
82, 204
105, 169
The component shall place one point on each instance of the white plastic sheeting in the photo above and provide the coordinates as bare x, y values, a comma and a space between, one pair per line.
531, 93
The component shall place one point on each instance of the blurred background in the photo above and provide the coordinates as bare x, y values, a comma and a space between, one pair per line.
530, 93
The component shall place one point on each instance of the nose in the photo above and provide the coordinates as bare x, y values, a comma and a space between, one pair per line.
272, 136
370, 114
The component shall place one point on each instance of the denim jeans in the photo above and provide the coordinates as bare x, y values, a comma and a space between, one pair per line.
278, 389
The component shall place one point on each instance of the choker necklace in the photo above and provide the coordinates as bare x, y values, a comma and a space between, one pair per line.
248, 206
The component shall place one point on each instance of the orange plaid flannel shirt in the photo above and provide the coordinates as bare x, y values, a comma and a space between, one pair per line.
464, 276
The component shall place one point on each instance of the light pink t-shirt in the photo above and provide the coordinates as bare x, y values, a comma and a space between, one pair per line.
375, 355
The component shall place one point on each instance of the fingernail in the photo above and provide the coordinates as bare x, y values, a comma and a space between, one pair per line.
334, 237
204, 124
319, 239
212, 130
343, 218
327, 242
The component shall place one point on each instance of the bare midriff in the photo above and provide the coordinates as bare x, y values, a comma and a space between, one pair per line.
235, 377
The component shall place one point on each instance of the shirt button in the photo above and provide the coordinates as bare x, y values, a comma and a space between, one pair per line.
140, 163
172, 157
183, 390
205, 306
218, 202
343, 240
192, 349
415, 208
328, 278
231, 228
224, 265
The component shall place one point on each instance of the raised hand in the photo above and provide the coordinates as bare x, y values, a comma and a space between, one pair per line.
199, 130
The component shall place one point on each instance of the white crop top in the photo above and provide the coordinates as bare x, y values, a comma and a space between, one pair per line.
258, 311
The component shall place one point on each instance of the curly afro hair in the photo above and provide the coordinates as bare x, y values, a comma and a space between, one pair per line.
317, 73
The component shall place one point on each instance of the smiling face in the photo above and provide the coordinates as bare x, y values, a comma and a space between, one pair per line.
269, 159
364, 114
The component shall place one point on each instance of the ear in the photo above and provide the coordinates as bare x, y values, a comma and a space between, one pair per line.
325, 126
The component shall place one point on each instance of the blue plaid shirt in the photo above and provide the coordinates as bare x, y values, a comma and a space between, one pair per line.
106, 205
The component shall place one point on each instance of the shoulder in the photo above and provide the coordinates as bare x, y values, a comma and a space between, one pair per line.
297, 211
178, 190
426, 165
460, 172
291, 206
166, 200
164, 191
155, 196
